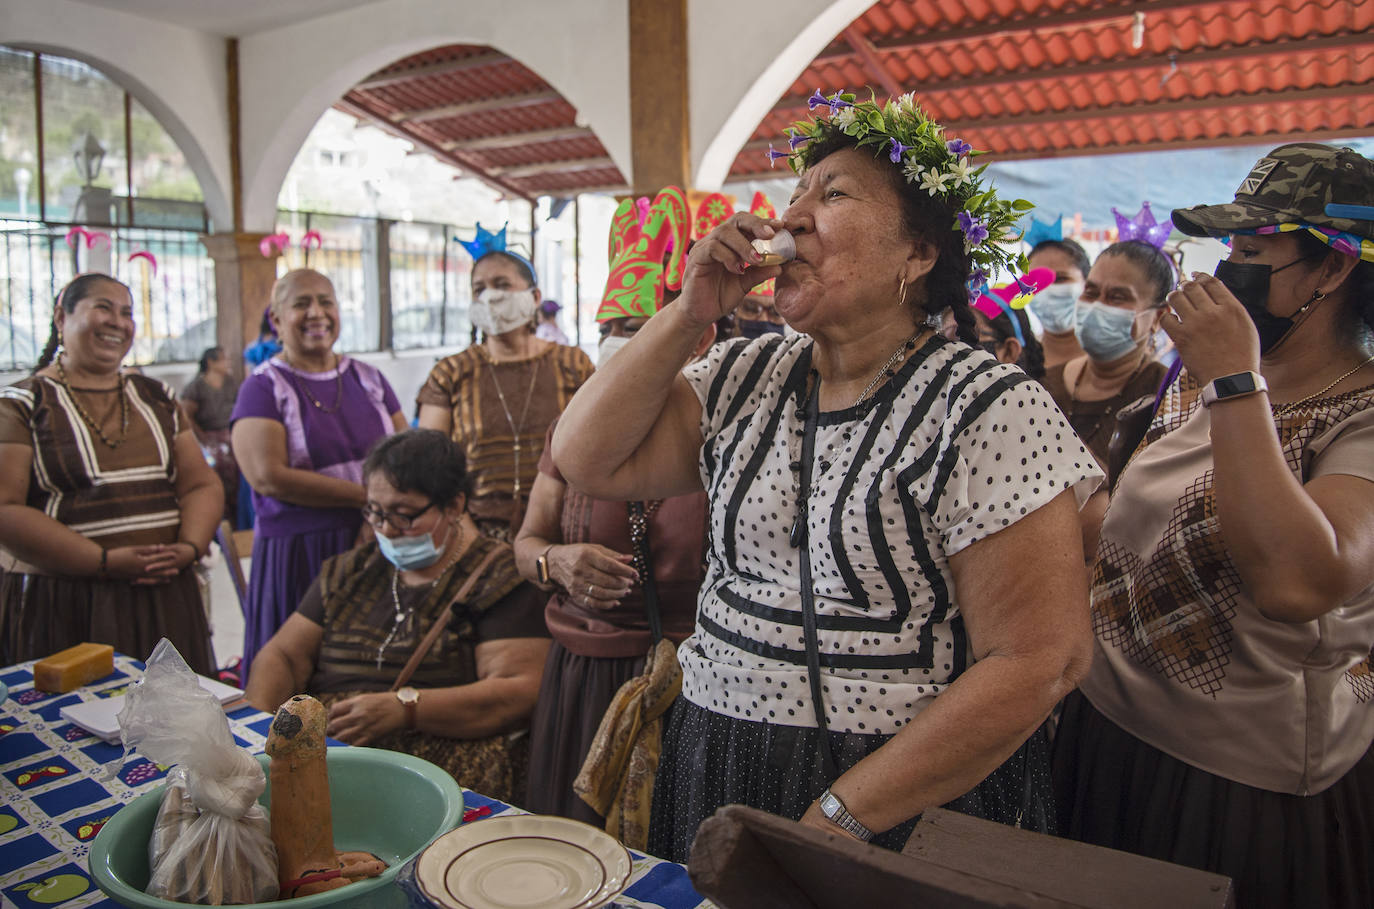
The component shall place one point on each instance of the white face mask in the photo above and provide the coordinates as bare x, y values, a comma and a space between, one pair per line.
607, 348
1105, 332
496, 312
1054, 306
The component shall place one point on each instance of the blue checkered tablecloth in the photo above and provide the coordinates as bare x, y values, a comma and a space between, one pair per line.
54, 799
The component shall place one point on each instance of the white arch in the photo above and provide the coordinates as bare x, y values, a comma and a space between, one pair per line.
290, 76
743, 57
182, 83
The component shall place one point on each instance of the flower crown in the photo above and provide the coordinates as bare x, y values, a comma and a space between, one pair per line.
942, 167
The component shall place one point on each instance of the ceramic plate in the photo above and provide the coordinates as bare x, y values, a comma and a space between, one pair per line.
523, 862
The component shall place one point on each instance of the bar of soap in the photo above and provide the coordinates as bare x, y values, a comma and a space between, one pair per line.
73, 667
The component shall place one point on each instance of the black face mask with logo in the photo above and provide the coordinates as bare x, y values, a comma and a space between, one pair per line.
1249, 283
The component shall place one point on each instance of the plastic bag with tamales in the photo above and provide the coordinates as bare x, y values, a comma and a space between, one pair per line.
212, 843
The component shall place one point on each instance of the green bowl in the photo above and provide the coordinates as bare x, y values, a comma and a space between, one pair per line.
384, 802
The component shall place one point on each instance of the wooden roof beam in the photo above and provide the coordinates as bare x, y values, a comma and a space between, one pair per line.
513, 140
358, 108
382, 78
464, 108
518, 171
873, 64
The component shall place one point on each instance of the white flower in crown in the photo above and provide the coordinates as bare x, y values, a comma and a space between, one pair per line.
933, 181
960, 173
844, 118
907, 103
912, 170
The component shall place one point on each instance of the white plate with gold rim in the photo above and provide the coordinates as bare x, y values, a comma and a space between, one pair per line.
525, 861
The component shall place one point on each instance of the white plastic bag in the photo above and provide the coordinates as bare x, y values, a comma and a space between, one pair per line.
212, 842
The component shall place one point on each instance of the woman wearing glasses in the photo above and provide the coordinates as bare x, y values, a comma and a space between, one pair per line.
371, 607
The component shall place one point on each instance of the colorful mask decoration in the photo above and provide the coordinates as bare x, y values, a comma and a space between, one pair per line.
1040, 231
713, 211
1143, 227
1012, 296
930, 161
762, 208
634, 288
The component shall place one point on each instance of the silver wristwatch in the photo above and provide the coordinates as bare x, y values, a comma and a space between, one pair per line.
834, 810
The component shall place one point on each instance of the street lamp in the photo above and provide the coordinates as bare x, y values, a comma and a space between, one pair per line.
88, 154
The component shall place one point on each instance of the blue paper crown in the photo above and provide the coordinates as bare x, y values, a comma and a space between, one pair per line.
487, 242
1041, 231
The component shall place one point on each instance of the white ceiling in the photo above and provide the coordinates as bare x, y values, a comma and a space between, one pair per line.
228, 17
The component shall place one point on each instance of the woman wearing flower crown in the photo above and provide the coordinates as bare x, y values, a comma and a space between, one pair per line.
105, 499
1226, 722
303, 423
498, 397
869, 482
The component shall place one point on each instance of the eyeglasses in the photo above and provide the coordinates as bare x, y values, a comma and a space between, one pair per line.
376, 517
756, 311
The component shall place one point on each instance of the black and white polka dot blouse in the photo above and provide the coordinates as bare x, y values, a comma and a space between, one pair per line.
952, 450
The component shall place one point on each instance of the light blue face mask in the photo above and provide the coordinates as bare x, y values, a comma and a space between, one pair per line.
1104, 332
1054, 306
410, 553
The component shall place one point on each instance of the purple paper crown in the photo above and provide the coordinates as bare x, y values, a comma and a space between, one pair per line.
1143, 227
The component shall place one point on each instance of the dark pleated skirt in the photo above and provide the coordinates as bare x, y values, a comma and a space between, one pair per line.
573, 697
1281, 850
711, 760
42, 614
281, 572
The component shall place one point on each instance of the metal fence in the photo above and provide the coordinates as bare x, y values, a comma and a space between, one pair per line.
174, 295
402, 285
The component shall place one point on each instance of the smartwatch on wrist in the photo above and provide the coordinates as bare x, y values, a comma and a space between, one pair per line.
1236, 385
836, 813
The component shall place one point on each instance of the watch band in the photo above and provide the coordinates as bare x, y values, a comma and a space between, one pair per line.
838, 814
541, 566
1236, 385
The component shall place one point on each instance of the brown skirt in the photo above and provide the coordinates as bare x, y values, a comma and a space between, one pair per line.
42, 614
495, 767
573, 697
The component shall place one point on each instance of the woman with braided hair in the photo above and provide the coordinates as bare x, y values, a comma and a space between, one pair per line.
105, 499
863, 648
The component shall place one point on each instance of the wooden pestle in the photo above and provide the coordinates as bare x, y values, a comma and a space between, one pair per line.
302, 820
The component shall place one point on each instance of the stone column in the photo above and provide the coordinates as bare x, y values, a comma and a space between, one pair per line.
243, 287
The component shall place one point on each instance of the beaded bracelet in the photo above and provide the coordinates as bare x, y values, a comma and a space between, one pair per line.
194, 548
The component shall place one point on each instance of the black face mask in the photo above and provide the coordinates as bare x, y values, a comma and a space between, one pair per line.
1249, 283
757, 328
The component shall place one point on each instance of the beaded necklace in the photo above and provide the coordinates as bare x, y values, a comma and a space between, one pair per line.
402, 616
95, 427
1283, 410
305, 390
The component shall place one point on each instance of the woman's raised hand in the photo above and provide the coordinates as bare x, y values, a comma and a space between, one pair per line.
593, 575
1211, 329
722, 267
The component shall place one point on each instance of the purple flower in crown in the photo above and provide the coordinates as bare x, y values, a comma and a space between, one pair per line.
774, 155
898, 149
797, 141
816, 100
836, 102
974, 231
977, 283
958, 147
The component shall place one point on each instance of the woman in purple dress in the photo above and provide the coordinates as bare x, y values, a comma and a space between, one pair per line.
302, 425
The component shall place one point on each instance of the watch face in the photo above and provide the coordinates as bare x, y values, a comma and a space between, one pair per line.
1239, 384
407, 695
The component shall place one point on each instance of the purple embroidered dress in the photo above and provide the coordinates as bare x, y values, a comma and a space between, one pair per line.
290, 542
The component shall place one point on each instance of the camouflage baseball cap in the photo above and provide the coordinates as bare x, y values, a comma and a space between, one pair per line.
1292, 184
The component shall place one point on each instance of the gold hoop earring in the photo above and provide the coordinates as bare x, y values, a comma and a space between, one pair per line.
901, 292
